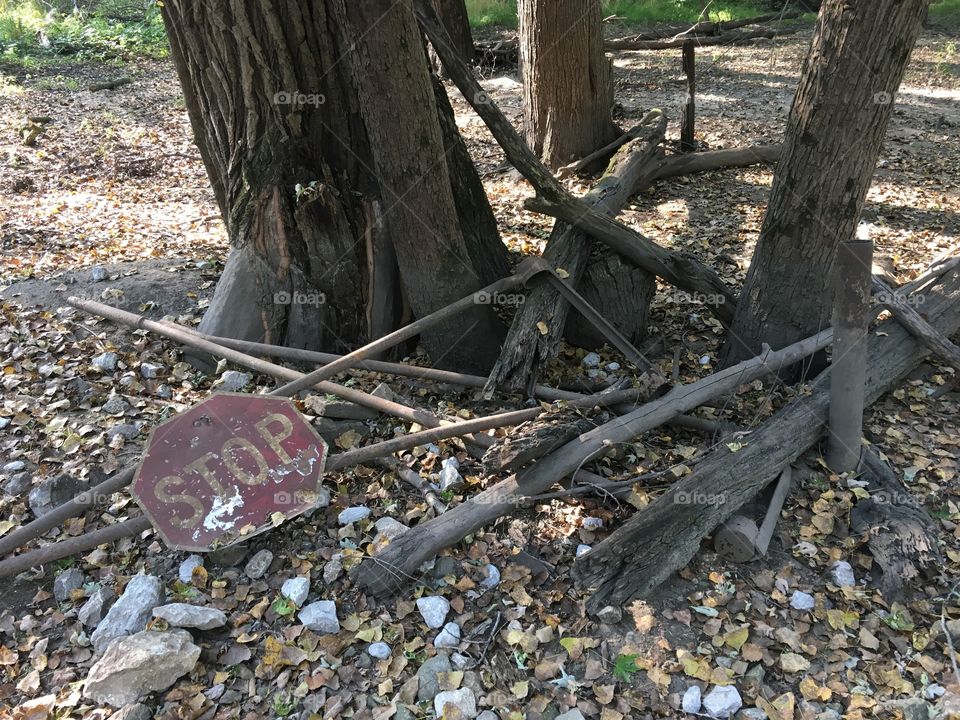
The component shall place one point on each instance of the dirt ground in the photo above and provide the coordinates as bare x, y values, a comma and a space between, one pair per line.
114, 182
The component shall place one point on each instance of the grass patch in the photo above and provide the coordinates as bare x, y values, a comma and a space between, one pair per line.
31, 33
485, 13
946, 12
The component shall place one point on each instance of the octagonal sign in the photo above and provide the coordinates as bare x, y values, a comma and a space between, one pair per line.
228, 468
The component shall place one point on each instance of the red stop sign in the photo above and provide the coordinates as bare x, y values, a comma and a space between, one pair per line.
223, 470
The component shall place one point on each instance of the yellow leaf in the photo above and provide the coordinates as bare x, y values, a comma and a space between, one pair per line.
520, 689
737, 638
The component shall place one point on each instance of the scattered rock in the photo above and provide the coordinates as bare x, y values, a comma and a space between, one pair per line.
257, 566
332, 569
139, 664
127, 431
115, 405
802, 601
14, 466
17, 485
582, 549
53, 492
573, 714
842, 573
591, 360
463, 700
98, 273
390, 528
107, 362
233, 381
610, 615
320, 617
185, 572
91, 613
932, 692
449, 637
443, 566
379, 650
913, 708
592, 523
296, 590
134, 711
692, 700
66, 582
492, 579
353, 514
184, 615
150, 371
433, 609
450, 474
429, 676
612, 367
722, 702
753, 713
131, 612
460, 661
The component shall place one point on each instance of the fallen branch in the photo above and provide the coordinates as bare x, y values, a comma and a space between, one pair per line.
405, 554
912, 320
628, 564
730, 38
690, 163
708, 27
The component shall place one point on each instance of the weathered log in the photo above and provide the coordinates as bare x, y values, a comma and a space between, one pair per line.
397, 563
533, 440
627, 564
598, 159
899, 533
902, 309
730, 38
527, 348
689, 163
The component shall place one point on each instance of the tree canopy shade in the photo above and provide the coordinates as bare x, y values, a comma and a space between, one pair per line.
339, 173
837, 123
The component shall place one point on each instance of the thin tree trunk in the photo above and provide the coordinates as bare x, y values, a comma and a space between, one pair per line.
566, 79
837, 123
453, 14
338, 206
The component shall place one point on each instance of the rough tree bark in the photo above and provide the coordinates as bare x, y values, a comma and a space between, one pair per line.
837, 123
453, 14
566, 79
340, 207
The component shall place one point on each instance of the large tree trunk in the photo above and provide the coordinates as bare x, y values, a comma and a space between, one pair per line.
339, 206
566, 79
837, 123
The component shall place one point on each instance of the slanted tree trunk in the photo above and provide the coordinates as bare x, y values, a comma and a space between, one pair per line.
837, 123
453, 13
566, 79
340, 207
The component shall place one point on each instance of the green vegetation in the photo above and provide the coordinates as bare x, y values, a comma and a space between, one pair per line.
32, 32
639, 12
625, 667
946, 12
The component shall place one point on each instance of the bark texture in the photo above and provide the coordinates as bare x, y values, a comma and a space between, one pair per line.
837, 123
567, 93
453, 14
339, 206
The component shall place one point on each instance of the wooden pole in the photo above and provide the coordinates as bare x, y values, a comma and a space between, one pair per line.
852, 283
688, 142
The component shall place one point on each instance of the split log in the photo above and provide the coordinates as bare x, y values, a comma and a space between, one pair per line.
899, 533
533, 440
680, 269
396, 564
618, 290
902, 310
527, 349
628, 564
730, 38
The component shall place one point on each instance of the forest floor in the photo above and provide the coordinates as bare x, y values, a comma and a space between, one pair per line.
113, 181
